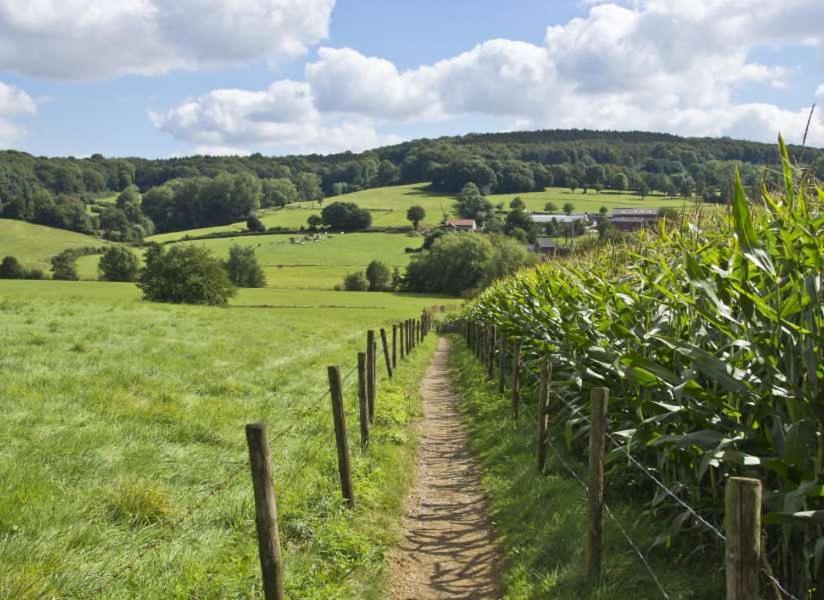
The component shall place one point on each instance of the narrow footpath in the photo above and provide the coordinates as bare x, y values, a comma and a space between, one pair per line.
448, 548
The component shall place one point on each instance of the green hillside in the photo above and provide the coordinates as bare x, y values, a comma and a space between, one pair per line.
34, 245
388, 206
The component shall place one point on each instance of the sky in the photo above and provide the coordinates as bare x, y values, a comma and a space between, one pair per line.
163, 78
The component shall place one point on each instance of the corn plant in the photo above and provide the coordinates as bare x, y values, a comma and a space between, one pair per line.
710, 336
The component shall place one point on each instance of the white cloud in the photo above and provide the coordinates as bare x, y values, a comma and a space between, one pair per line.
663, 65
93, 39
282, 117
14, 102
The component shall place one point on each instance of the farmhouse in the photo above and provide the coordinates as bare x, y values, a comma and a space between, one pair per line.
542, 218
632, 219
548, 248
462, 225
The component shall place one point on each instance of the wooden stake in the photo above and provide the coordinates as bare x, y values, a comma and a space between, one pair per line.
402, 340
266, 512
490, 354
394, 346
339, 419
370, 372
543, 411
363, 403
595, 501
386, 353
516, 377
742, 522
502, 366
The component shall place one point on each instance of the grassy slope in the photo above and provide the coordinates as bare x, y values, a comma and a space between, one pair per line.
121, 416
541, 520
322, 264
389, 206
34, 245
589, 202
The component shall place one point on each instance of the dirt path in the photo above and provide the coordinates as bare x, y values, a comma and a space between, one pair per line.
448, 549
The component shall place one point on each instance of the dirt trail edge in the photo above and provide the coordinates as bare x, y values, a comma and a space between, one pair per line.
448, 548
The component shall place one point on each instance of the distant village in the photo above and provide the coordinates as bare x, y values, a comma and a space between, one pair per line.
622, 219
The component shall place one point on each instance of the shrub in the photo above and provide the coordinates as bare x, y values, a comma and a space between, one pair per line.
185, 275
355, 282
346, 216
64, 266
118, 264
243, 268
253, 223
377, 274
415, 214
10, 268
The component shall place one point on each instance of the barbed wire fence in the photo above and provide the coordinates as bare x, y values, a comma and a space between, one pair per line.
502, 353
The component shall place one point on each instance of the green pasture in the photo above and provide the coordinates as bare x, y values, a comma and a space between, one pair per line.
123, 441
34, 245
589, 202
318, 264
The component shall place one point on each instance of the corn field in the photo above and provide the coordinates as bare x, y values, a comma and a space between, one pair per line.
709, 335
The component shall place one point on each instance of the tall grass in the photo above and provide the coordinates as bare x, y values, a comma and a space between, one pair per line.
710, 338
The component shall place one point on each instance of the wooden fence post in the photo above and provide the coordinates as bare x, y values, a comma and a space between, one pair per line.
490, 355
266, 512
543, 411
516, 377
408, 336
370, 372
595, 501
339, 419
742, 522
386, 353
363, 403
394, 346
402, 340
502, 365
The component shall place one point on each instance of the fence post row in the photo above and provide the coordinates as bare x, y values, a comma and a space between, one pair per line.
543, 411
595, 501
363, 402
266, 513
336, 393
516, 377
370, 372
386, 353
742, 521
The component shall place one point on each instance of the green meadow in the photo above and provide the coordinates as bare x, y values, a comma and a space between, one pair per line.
124, 464
34, 245
388, 206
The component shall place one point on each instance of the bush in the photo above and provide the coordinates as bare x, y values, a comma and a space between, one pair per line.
118, 264
64, 266
10, 268
346, 216
185, 275
378, 275
253, 223
355, 282
243, 268
458, 262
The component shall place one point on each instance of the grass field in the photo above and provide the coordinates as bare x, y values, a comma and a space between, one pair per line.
123, 441
541, 521
34, 245
389, 204
589, 202
322, 264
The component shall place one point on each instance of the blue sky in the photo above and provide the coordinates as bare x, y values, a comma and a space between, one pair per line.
124, 82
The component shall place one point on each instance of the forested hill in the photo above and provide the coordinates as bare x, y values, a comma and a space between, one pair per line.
178, 193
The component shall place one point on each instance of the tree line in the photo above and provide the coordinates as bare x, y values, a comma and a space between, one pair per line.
188, 192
